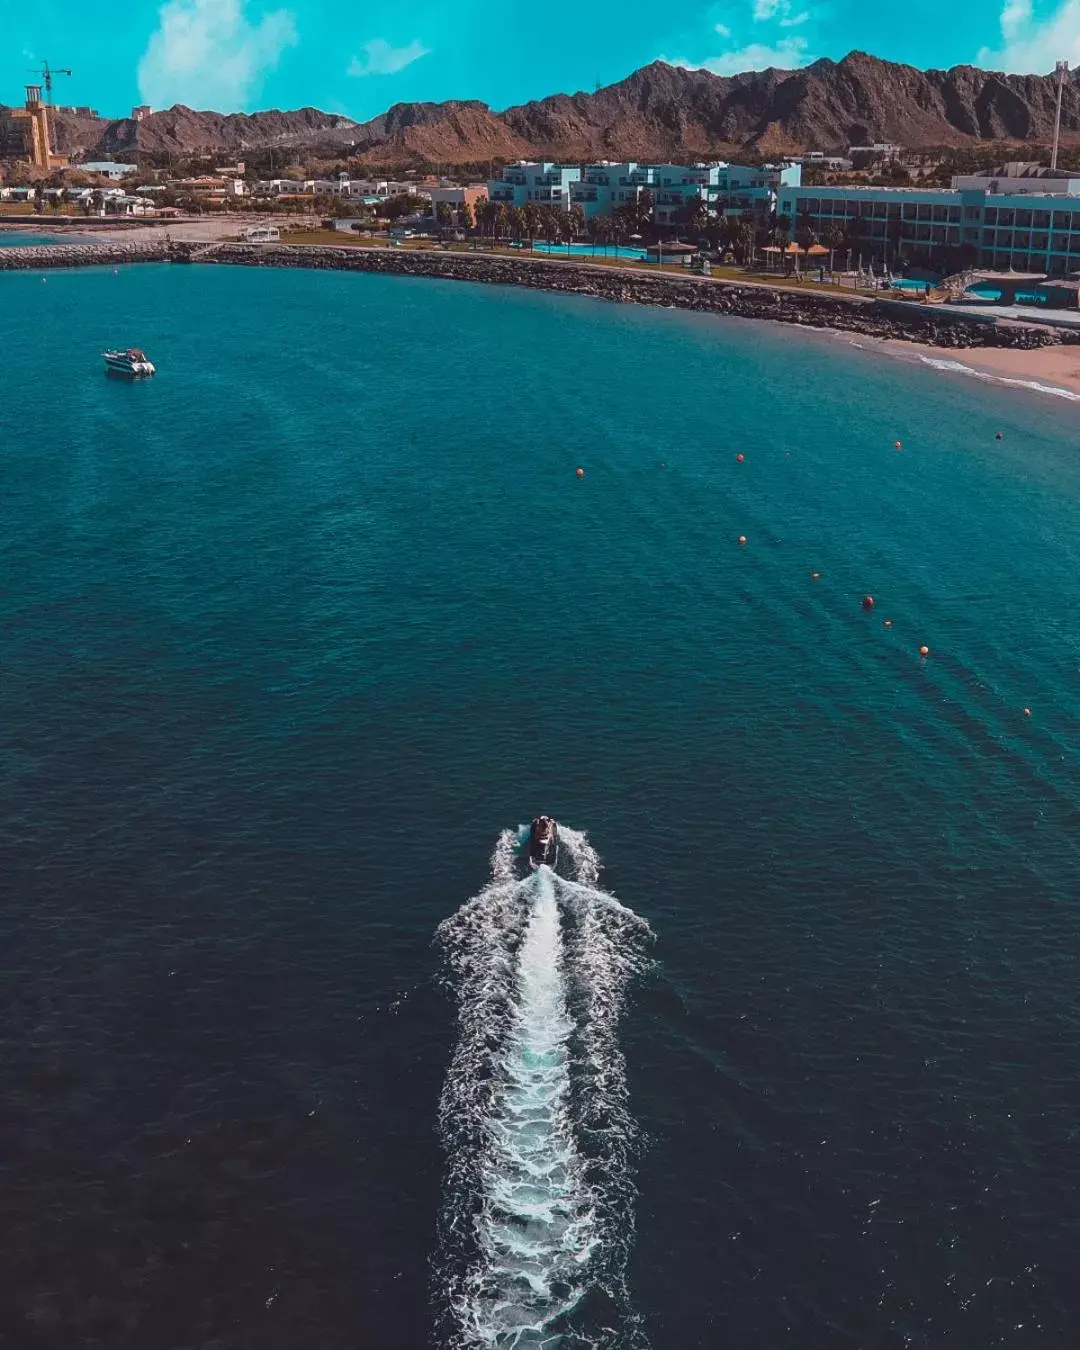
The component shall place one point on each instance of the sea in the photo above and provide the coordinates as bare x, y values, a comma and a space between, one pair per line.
298, 636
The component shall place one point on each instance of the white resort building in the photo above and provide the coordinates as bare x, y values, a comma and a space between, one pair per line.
544, 183
600, 189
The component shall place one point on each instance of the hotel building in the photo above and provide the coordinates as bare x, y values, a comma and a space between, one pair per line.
544, 183
1025, 218
600, 189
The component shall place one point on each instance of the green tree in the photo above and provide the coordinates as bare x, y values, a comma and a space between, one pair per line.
468, 216
834, 239
444, 216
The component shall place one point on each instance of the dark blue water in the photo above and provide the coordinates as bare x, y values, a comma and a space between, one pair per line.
293, 630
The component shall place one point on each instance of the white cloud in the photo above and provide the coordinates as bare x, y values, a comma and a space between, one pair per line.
722, 29
764, 10
795, 20
380, 58
787, 54
208, 54
1030, 47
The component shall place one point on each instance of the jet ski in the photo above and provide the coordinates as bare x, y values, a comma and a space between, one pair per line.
543, 842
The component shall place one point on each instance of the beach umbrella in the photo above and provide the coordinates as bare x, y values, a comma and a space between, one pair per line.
816, 251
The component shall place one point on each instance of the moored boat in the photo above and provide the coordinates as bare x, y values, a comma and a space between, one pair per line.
132, 362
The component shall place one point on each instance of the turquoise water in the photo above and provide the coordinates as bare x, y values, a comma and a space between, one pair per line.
296, 635
592, 250
19, 239
992, 293
909, 284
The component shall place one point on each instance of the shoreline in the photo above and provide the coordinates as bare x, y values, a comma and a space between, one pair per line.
1052, 370
1023, 353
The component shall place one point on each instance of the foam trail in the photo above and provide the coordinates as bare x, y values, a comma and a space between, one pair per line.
536, 1227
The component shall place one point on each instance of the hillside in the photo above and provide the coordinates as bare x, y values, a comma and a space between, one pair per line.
658, 112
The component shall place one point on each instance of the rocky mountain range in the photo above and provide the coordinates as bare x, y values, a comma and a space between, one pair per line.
659, 112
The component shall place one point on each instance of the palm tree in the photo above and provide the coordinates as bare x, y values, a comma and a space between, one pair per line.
516, 221
577, 220
530, 214
834, 239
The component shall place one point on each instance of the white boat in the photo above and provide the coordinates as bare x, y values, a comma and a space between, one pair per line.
132, 362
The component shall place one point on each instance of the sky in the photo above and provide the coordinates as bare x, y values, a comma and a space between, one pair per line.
357, 58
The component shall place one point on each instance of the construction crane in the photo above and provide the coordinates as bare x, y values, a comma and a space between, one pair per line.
47, 72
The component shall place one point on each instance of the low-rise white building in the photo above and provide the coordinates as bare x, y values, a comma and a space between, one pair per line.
108, 169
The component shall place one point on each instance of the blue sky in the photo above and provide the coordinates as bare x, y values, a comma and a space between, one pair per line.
356, 57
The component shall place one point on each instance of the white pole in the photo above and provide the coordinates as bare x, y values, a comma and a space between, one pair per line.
1062, 68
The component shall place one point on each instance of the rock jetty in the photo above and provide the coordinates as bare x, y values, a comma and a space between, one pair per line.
934, 325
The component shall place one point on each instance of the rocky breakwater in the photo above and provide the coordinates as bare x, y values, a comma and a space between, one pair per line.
48, 256
933, 325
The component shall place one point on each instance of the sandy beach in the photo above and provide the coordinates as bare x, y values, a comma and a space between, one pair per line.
1048, 368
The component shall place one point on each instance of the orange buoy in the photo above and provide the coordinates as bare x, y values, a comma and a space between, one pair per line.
742, 538
740, 457
888, 623
868, 602
581, 473
1027, 712
924, 651
898, 445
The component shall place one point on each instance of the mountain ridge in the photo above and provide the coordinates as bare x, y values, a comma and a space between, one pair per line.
659, 111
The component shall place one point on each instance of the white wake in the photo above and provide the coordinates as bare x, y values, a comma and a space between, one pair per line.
537, 1221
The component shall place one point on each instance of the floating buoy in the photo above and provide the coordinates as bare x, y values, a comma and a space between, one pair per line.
924, 651
815, 576
888, 623
742, 538
581, 473
740, 457
898, 445
998, 436
868, 602
1027, 712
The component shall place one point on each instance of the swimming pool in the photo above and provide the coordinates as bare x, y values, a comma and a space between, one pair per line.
992, 293
592, 250
910, 284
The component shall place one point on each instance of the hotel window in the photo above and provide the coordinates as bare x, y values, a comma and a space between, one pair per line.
1023, 218
1040, 219
1040, 241
988, 238
954, 215
1005, 217
1021, 239
941, 214
1061, 243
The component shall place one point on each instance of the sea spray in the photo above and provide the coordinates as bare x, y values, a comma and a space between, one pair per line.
537, 1222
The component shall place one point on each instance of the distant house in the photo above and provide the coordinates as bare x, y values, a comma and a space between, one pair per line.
108, 169
261, 234
128, 206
